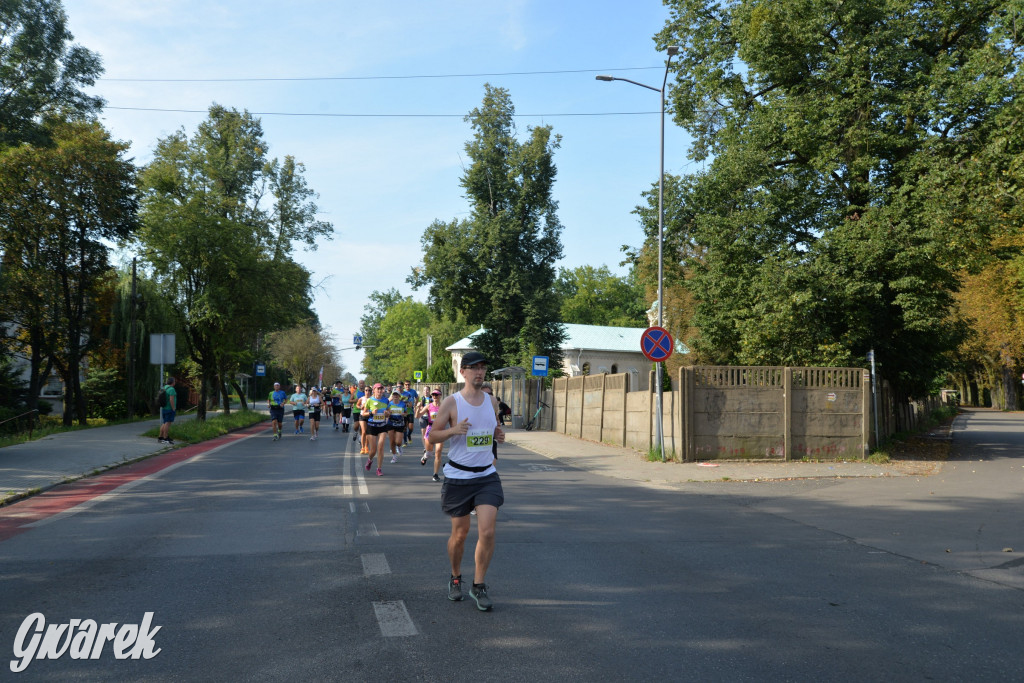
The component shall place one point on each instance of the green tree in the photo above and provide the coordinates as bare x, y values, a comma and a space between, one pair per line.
303, 351
41, 71
593, 296
65, 204
294, 215
816, 224
220, 256
402, 341
497, 267
375, 310
154, 315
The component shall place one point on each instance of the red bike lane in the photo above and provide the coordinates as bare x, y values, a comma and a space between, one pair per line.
19, 517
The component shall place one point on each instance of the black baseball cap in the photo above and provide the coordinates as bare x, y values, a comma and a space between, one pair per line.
473, 358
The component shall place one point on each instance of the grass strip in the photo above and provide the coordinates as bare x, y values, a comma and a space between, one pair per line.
194, 431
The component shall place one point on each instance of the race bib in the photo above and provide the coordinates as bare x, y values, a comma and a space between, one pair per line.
478, 439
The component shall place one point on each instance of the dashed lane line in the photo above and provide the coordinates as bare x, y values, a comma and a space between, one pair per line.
375, 564
394, 619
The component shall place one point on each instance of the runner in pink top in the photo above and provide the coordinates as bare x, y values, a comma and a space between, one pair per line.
429, 411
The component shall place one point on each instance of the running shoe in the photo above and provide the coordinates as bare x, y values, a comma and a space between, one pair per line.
399, 450
479, 594
354, 438
379, 473
368, 463
423, 460
162, 440
394, 459
312, 438
436, 478
455, 588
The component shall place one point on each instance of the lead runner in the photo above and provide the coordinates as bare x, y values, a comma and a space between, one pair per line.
470, 479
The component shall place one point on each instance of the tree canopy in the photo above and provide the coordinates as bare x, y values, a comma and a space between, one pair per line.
62, 206
217, 250
818, 232
594, 296
41, 71
497, 267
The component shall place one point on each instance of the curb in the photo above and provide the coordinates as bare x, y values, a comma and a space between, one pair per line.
24, 495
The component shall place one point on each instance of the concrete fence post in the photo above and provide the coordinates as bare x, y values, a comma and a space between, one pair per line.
625, 391
787, 413
687, 388
865, 411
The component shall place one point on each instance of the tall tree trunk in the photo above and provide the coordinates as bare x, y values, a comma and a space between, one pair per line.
225, 395
77, 395
241, 394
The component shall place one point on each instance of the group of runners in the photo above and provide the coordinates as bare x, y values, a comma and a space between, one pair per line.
382, 417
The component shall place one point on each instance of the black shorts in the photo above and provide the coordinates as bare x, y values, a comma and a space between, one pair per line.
376, 430
397, 428
460, 496
408, 419
357, 416
277, 414
424, 422
299, 414
345, 412
314, 415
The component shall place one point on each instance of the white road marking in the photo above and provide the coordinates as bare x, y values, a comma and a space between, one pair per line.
360, 479
375, 564
368, 529
394, 619
352, 463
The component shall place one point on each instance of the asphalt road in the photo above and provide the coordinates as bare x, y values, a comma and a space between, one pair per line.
282, 561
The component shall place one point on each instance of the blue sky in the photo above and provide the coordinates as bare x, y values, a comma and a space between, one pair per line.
383, 179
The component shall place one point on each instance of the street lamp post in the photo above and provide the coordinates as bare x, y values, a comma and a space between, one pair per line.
672, 51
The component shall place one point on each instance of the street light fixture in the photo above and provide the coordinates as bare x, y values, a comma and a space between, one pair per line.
672, 51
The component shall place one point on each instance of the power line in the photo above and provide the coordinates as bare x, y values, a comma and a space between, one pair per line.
373, 78
406, 116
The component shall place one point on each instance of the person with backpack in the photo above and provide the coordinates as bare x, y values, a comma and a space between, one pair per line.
168, 400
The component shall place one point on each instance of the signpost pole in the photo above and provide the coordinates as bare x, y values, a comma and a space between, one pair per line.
656, 345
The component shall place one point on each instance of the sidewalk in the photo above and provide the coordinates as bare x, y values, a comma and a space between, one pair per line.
625, 463
44, 463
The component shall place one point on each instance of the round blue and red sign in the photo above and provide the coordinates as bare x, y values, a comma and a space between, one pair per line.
656, 344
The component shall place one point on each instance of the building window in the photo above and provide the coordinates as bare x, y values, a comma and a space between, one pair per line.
615, 369
586, 368
53, 386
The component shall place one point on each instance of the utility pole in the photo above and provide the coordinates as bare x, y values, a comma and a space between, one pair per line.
131, 345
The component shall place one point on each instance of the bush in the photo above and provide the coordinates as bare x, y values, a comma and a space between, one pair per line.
104, 391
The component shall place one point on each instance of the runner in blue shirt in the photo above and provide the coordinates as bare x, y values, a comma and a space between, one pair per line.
276, 401
411, 396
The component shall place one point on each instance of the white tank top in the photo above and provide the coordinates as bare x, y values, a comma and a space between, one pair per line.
472, 449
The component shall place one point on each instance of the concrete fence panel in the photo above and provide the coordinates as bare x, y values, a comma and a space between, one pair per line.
592, 419
574, 407
613, 427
